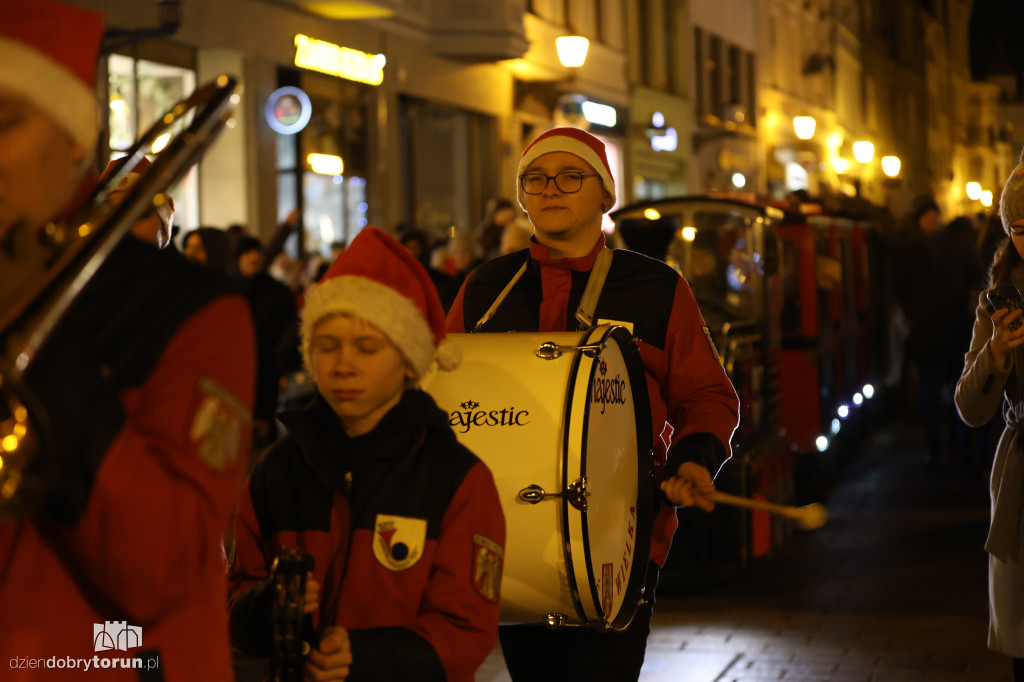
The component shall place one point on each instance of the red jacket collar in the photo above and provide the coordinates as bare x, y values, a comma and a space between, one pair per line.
542, 254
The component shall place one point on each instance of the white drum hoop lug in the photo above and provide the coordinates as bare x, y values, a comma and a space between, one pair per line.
575, 494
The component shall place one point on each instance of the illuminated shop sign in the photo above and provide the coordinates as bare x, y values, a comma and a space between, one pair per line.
344, 62
288, 110
601, 114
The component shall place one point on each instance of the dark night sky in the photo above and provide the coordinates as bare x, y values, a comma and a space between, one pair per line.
997, 37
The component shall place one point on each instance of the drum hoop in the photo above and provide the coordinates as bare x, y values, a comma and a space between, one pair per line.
645, 472
584, 521
646, 494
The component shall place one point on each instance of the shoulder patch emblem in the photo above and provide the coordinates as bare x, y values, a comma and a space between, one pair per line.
398, 541
217, 425
707, 333
486, 569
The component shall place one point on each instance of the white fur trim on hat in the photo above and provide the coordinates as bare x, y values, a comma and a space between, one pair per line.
380, 305
52, 88
564, 143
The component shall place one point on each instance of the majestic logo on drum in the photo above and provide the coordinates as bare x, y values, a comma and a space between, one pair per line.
470, 416
607, 391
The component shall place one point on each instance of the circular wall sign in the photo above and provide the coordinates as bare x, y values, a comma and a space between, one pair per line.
288, 110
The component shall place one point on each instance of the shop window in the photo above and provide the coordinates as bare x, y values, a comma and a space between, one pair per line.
140, 93
321, 171
450, 161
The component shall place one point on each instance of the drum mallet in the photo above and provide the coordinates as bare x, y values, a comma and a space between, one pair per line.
807, 517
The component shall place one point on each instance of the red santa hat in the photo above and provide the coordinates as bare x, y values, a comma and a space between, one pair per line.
379, 280
574, 141
49, 57
164, 209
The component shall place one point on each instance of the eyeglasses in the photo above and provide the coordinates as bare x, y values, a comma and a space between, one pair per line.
566, 181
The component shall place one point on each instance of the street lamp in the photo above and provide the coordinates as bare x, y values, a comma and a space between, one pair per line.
986, 198
973, 190
863, 151
572, 50
804, 126
840, 165
891, 166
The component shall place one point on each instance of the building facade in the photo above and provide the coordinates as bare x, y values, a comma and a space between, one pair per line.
421, 107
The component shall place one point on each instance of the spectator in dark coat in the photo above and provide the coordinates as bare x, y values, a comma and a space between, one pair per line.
927, 292
276, 319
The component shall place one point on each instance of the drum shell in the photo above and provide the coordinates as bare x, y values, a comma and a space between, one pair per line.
545, 423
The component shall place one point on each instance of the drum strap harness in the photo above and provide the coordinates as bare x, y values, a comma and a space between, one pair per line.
588, 304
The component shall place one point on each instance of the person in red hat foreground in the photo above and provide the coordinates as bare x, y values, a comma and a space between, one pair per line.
403, 522
146, 384
565, 185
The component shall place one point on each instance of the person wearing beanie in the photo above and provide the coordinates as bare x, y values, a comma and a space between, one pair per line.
993, 379
143, 388
209, 246
403, 523
565, 185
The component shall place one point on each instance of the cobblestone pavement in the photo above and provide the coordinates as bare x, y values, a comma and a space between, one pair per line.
892, 589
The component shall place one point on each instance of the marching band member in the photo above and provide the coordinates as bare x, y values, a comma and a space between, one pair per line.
146, 383
565, 185
403, 522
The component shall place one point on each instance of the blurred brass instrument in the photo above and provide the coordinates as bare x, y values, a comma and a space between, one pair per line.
45, 268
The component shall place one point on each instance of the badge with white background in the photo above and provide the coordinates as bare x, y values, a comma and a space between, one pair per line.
398, 541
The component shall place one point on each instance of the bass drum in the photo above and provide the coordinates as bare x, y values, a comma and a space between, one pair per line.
563, 421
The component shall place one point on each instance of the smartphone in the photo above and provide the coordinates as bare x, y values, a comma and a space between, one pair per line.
1006, 296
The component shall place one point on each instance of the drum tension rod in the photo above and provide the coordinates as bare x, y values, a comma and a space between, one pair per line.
549, 350
576, 494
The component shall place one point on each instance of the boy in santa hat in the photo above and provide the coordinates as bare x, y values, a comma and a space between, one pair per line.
145, 387
565, 185
403, 522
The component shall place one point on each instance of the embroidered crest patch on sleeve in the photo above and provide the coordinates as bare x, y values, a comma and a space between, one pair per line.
217, 425
398, 541
486, 571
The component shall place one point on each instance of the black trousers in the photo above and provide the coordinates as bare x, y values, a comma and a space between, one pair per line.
535, 653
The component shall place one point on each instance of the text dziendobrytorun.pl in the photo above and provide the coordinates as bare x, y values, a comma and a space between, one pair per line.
96, 662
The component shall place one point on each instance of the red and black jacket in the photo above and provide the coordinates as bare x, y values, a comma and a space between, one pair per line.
146, 385
693, 404
407, 535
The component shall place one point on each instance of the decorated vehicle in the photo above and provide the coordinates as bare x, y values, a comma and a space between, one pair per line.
787, 299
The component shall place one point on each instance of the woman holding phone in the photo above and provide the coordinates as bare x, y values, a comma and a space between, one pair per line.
993, 375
